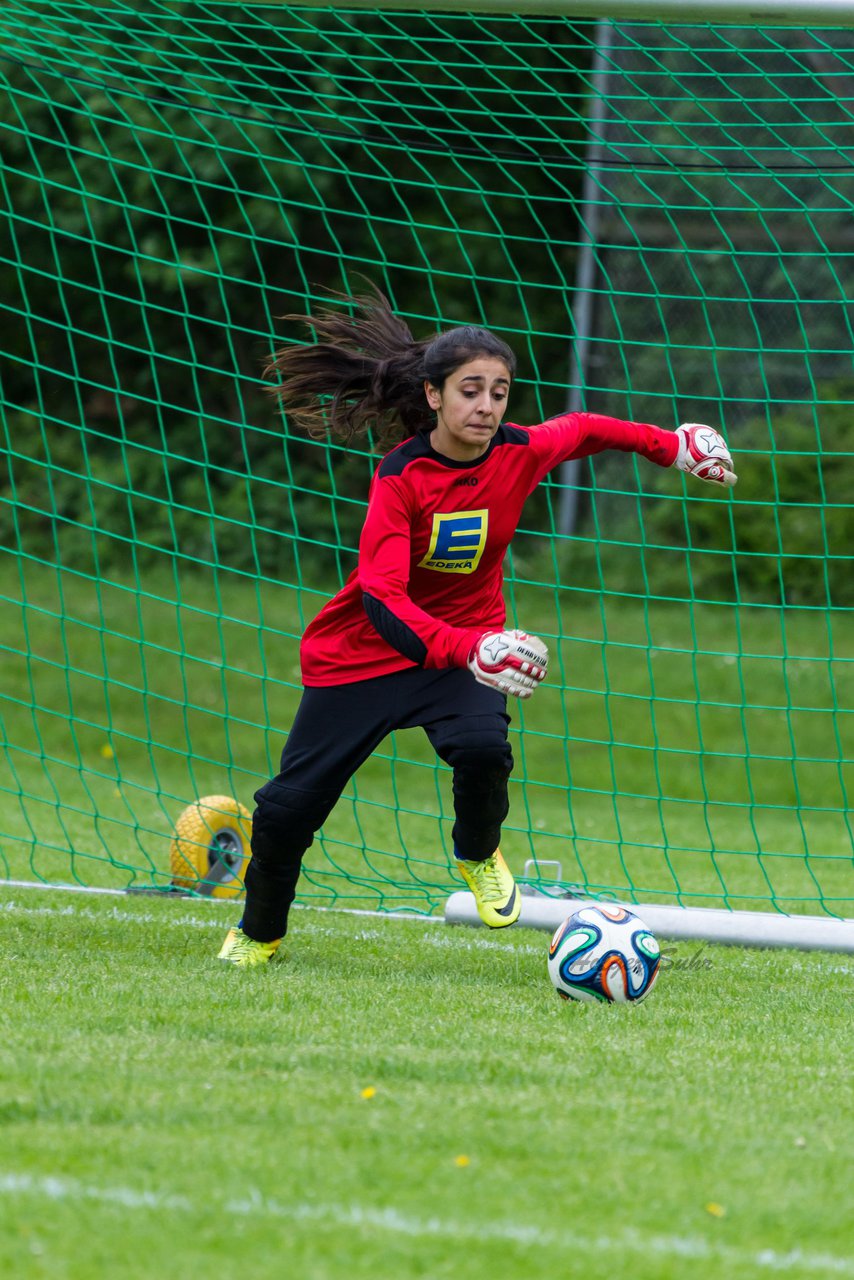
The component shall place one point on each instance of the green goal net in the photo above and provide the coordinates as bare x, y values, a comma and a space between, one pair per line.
657, 218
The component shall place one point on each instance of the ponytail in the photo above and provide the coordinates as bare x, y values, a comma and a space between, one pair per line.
366, 370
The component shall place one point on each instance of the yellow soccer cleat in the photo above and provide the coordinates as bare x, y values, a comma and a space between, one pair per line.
239, 949
495, 893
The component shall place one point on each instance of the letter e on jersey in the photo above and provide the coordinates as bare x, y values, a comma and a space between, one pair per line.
456, 541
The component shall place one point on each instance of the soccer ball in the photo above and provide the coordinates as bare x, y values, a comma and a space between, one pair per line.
603, 953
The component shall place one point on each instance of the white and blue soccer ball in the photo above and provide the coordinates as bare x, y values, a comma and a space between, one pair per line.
604, 953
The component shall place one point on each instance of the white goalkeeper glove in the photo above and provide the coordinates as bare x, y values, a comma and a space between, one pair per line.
703, 453
511, 661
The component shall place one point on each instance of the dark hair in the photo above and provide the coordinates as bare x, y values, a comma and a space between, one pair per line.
366, 370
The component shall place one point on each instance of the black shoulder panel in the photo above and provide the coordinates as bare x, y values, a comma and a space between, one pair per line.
508, 434
396, 462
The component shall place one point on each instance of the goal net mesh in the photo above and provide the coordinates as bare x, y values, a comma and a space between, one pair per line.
658, 220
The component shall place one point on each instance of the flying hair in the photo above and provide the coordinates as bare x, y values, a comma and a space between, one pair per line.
364, 370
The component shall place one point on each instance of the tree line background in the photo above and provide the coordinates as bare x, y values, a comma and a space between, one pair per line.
176, 184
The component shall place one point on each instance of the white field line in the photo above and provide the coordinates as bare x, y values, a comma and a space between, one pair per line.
456, 938
459, 940
254, 1205
63, 888
475, 941
417, 916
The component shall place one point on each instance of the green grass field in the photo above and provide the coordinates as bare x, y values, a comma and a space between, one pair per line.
395, 1098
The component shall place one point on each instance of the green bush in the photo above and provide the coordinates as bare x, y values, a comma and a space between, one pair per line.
786, 535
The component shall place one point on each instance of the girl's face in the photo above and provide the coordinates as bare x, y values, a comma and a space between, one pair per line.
469, 408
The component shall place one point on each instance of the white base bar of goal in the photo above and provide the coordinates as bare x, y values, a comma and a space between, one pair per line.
697, 924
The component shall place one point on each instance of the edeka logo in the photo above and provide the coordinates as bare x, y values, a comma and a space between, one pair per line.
456, 541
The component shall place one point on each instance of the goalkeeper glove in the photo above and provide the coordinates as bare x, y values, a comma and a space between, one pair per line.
703, 453
511, 661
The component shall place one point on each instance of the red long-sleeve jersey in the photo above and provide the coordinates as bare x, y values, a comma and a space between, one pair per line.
430, 575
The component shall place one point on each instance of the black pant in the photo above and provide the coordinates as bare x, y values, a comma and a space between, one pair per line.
334, 731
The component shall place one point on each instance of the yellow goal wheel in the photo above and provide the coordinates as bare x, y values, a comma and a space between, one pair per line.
210, 850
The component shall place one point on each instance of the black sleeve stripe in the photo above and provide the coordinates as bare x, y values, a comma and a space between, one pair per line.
393, 631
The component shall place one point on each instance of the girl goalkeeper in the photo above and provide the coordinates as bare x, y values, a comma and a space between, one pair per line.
416, 636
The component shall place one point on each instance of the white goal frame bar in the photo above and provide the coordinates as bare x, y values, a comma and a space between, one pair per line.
682, 924
802, 13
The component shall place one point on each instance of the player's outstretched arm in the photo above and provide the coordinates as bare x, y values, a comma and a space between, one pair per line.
511, 661
703, 453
